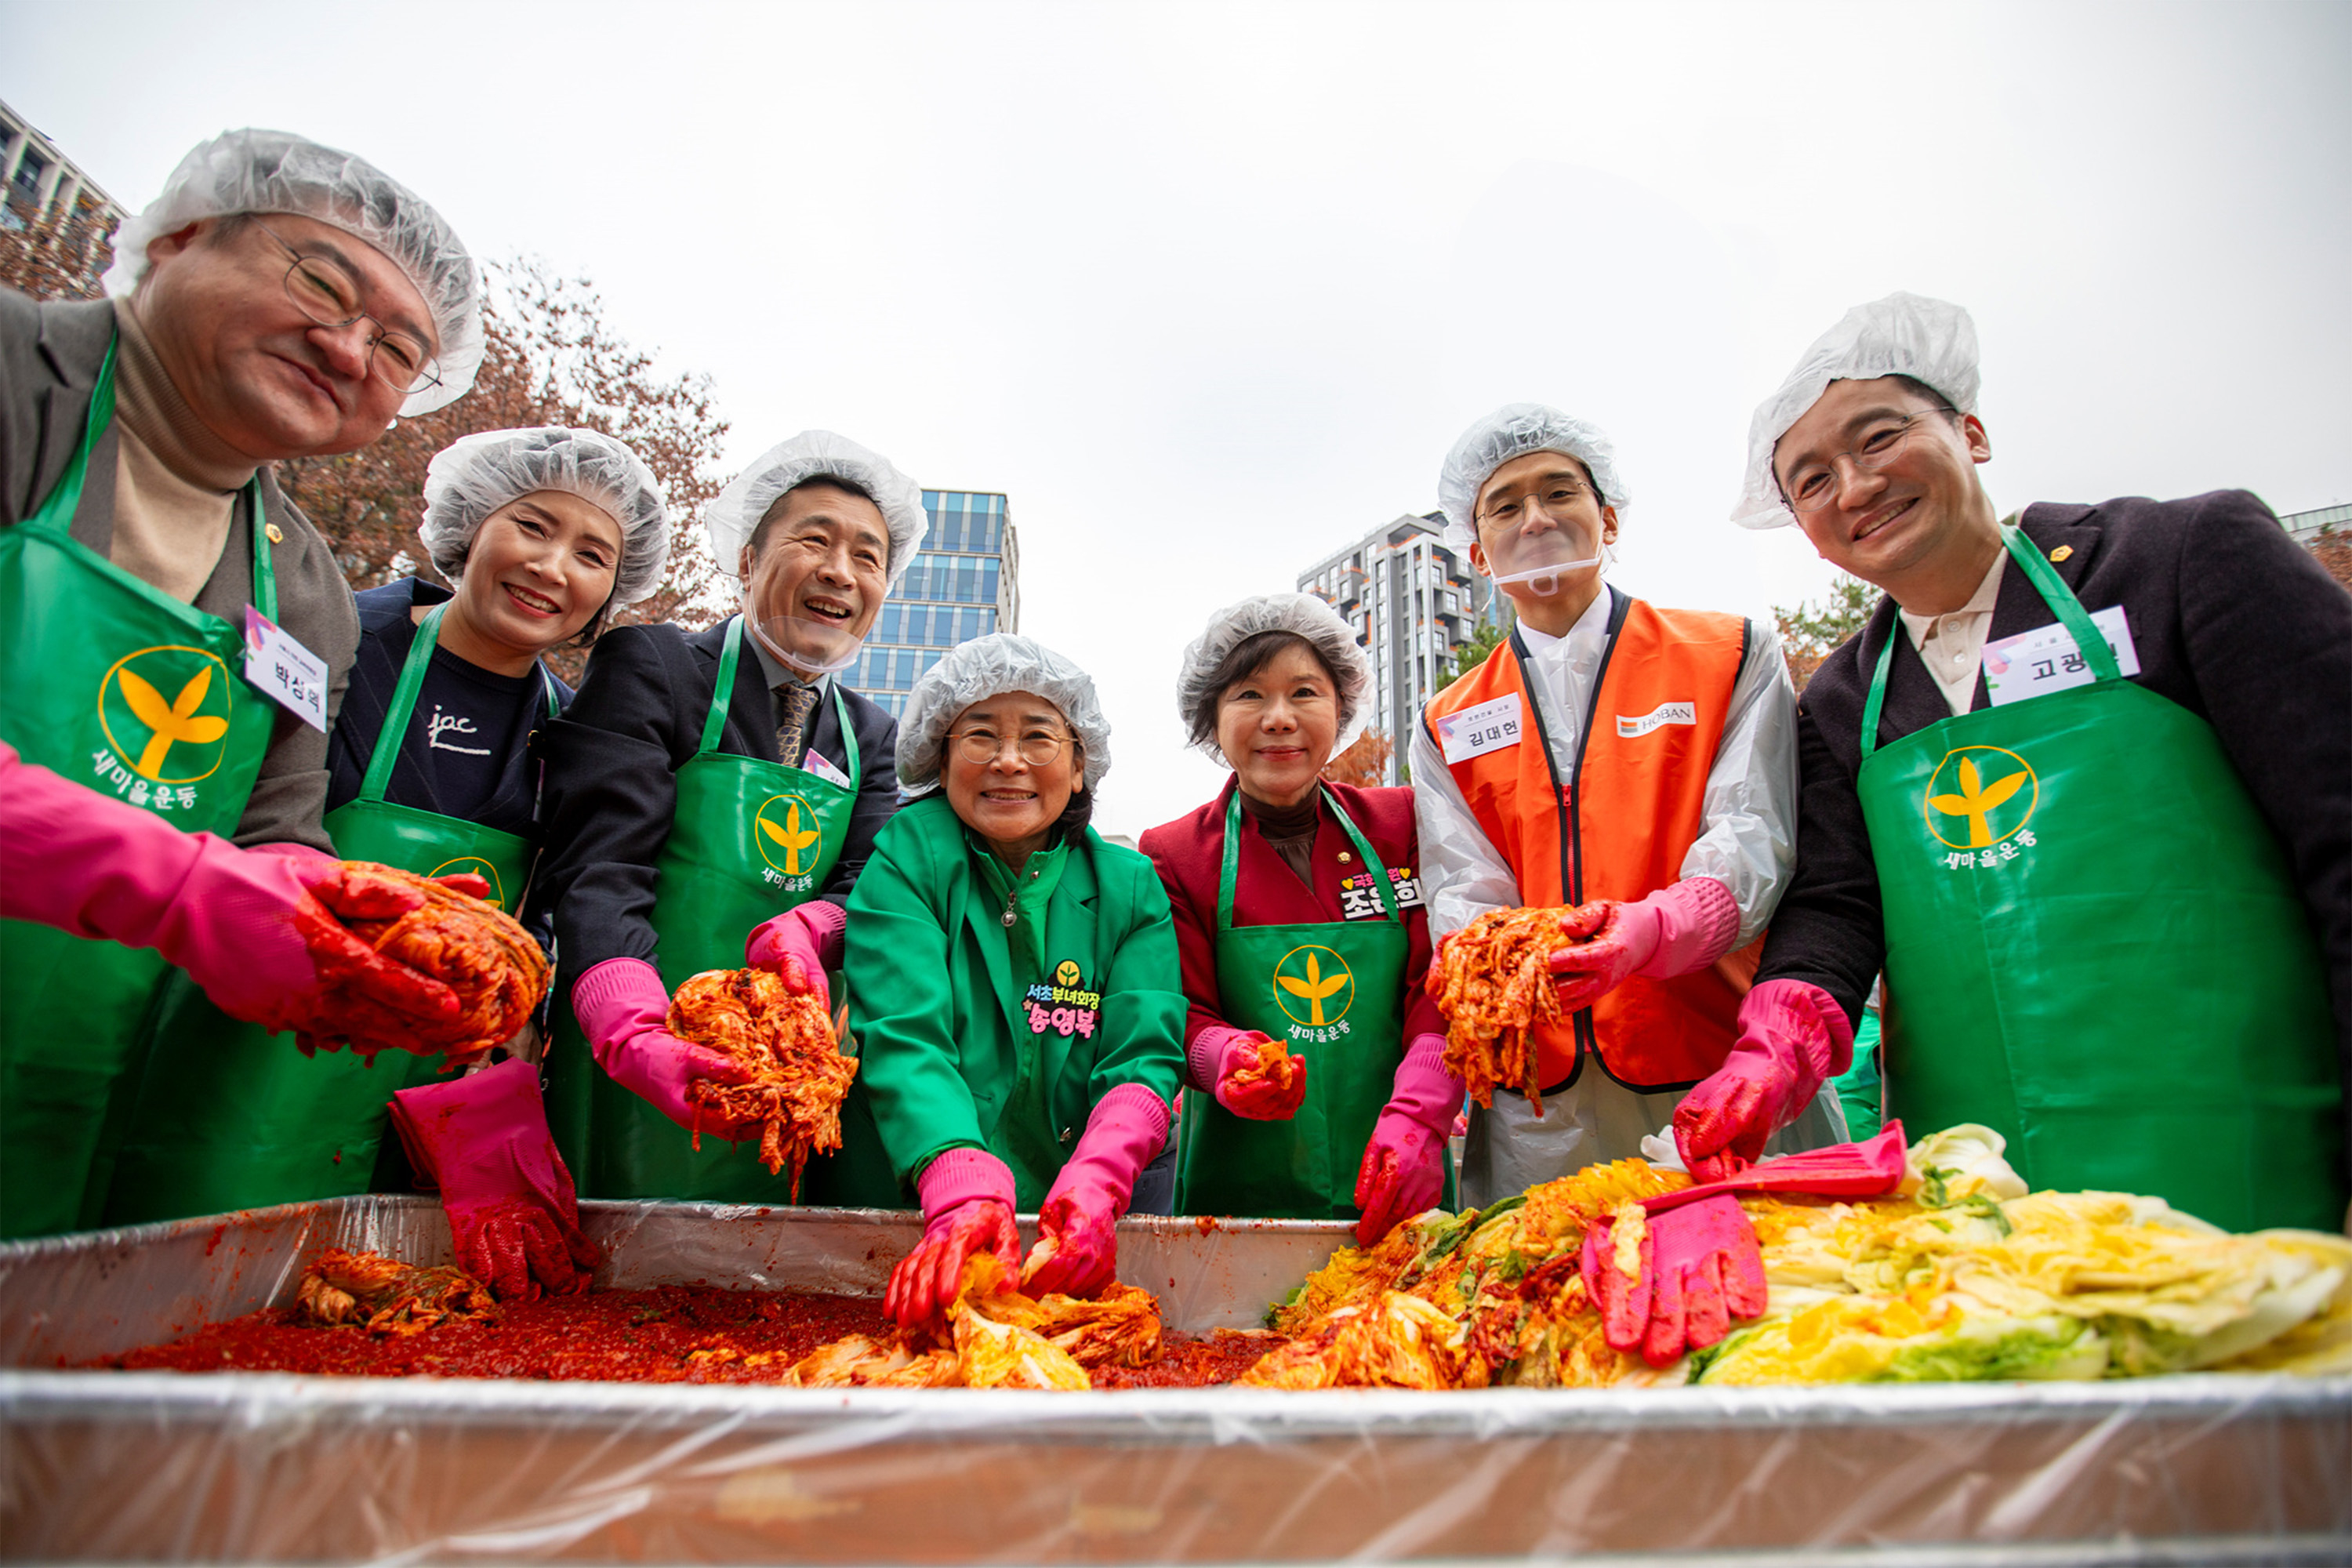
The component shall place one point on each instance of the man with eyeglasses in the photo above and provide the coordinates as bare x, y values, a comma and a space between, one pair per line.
176, 635
2081, 787
1634, 761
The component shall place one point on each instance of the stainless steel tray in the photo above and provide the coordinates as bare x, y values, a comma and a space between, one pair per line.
161, 1466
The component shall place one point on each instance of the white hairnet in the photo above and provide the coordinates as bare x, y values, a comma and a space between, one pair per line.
1302, 615
276, 172
1513, 431
475, 475
985, 668
1929, 341
815, 454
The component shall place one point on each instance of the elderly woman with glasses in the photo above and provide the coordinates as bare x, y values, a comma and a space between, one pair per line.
1013, 983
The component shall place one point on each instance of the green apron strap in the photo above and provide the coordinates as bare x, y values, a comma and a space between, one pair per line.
724, 689
2061, 601
848, 735
1878, 691
265, 578
1233, 848
389, 740
57, 510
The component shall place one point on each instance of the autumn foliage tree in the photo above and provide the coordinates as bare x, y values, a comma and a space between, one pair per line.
1810, 632
52, 252
550, 359
1364, 764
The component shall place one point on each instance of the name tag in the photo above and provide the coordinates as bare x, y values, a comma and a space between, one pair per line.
816, 764
1665, 713
291, 675
2045, 659
1489, 727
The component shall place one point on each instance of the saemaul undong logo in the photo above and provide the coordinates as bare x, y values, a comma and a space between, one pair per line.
165, 713
1314, 986
788, 834
1979, 796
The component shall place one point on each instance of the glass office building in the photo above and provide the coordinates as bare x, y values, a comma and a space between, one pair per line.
964, 584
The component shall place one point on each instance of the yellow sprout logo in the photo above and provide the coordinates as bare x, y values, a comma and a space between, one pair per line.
1319, 978
1983, 792
479, 868
787, 825
165, 712
1066, 975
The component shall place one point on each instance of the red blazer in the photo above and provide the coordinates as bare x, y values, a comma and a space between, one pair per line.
1190, 855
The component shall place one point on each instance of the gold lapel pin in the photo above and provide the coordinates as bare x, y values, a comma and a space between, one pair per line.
2062, 551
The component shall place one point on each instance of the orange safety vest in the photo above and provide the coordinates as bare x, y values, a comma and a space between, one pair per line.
1616, 827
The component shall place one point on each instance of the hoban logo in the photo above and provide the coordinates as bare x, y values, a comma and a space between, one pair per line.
165, 713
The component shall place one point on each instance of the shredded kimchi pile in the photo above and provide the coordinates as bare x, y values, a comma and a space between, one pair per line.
468, 943
1492, 981
800, 1077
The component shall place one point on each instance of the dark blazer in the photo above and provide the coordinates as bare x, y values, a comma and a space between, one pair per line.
611, 787
1189, 854
50, 356
2232, 619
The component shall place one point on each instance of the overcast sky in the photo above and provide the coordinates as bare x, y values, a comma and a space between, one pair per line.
1209, 291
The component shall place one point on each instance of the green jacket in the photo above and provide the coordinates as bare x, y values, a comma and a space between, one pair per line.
973, 1034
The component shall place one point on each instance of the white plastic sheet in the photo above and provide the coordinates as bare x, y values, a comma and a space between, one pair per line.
159, 1467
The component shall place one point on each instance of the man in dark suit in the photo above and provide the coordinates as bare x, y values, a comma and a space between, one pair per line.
2111, 886
693, 826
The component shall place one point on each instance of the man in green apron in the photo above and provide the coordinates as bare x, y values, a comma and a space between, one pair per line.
174, 635
2083, 787
710, 798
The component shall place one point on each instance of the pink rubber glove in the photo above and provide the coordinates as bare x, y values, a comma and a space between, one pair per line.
967, 1196
1403, 1171
800, 945
1793, 1038
1220, 1054
1078, 1227
1684, 926
623, 1009
483, 1141
1699, 1268
257, 930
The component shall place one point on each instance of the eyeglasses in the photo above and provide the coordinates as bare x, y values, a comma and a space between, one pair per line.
1034, 747
325, 290
1552, 496
1811, 487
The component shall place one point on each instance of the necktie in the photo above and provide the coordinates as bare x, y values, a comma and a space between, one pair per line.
793, 702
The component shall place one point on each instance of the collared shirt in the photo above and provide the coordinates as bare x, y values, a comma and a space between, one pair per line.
1952, 644
778, 675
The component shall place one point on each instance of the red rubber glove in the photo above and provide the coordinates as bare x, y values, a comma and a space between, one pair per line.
623, 1009
1403, 1170
1077, 1226
256, 930
1793, 1038
1220, 1054
1700, 1267
967, 1196
800, 945
1684, 926
483, 1141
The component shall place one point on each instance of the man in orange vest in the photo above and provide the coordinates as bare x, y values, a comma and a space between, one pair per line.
1607, 752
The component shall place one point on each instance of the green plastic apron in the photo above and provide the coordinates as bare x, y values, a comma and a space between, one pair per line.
1333, 991
231, 1117
751, 839
116, 685
2094, 947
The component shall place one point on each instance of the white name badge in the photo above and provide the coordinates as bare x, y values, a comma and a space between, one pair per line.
2045, 659
816, 763
1489, 727
1665, 713
293, 677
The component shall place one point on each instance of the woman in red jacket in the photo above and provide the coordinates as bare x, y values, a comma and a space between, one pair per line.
1299, 920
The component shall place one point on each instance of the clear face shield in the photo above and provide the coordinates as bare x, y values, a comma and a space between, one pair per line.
1540, 549
804, 638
